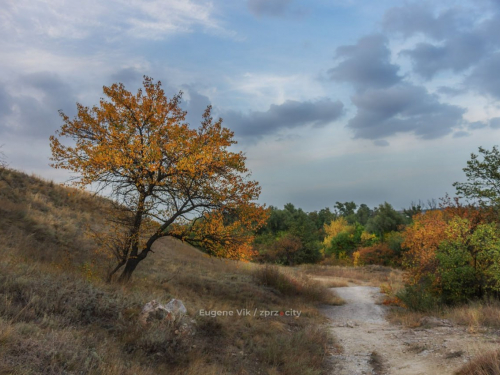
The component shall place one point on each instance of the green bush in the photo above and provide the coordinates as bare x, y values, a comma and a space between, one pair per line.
418, 298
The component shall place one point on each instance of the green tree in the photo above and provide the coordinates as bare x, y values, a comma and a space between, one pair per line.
345, 209
483, 178
385, 219
363, 214
469, 261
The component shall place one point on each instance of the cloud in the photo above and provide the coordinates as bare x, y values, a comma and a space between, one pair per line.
477, 125
459, 37
65, 19
400, 109
461, 134
34, 112
195, 106
485, 78
495, 123
457, 54
268, 7
128, 76
289, 115
5, 104
451, 91
417, 18
366, 64
381, 143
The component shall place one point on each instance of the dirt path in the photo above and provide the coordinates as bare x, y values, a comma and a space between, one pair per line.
371, 345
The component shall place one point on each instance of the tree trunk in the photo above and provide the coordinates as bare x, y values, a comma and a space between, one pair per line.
111, 273
129, 269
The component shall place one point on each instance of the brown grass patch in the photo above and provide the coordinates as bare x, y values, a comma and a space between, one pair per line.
475, 316
484, 364
58, 316
367, 275
296, 284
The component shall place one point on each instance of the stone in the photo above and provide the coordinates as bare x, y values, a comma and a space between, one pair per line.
153, 310
176, 306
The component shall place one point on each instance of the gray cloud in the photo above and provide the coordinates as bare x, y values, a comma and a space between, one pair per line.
35, 113
485, 78
381, 142
464, 37
128, 76
366, 64
291, 114
195, 106
477, 125
416, 18
5, 103
495, 123
457, 54
268, 7
402, 108
451, 91
461, 134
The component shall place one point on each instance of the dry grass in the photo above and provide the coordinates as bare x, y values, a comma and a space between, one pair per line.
377, 363
291, 283
484, 364
476, 315
331, 282
58, 316
367, 275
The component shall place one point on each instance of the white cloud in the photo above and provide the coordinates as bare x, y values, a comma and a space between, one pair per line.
153, 19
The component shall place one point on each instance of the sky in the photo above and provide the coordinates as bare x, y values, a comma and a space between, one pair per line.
330, 100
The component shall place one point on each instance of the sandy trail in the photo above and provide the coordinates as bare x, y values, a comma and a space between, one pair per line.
361, 330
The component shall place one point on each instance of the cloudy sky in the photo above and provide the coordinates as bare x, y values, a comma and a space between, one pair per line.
331, 100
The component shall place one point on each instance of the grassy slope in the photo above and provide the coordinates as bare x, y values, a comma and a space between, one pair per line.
58, 317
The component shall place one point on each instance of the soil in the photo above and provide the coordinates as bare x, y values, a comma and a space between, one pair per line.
371, 345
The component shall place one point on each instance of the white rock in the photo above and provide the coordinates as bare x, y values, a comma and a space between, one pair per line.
176, 307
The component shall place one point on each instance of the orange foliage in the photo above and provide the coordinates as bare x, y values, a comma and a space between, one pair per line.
377, 254
428, 230
186, 180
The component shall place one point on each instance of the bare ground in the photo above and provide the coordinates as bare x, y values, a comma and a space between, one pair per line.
371, 345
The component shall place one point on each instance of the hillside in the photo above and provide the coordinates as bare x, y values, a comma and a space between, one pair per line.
58, 316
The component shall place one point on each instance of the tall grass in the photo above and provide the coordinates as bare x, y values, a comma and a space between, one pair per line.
484, 364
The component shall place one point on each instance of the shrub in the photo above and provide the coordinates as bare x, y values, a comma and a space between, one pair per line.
417, 298
380, 254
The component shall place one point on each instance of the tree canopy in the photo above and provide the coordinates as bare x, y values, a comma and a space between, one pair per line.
171, 179
483, 178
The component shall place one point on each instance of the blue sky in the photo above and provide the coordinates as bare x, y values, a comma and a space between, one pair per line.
330, 100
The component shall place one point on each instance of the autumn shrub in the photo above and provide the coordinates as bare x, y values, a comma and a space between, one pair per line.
453, 255
379, 253
286, 250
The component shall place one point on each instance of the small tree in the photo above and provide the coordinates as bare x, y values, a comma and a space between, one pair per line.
483, 178
173, 180
3, 162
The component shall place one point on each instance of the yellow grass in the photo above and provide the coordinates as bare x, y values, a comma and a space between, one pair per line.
57, 315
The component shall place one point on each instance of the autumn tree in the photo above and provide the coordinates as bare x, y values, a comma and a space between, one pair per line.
172, 180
